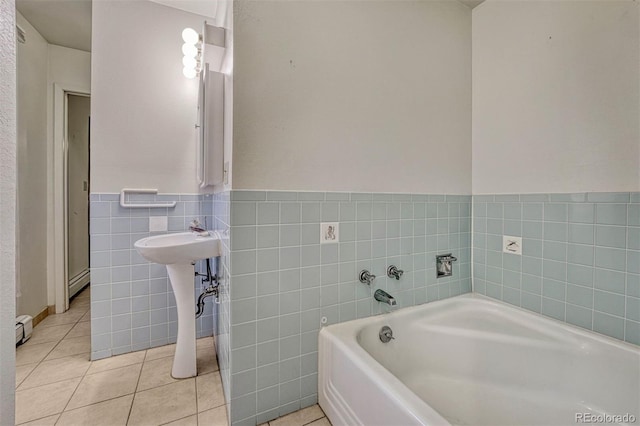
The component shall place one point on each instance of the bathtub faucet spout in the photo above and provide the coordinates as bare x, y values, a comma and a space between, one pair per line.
384, 297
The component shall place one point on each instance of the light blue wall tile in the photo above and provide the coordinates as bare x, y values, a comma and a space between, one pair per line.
531, 302
582, 213
553, 289
244, 262
495, 210
609, 325
244, 334
290, 213
513, 211
289, 258
267, 353
532, 265
632, 332
532, 211
511, 296
310, 212
290, 235
282, 196
611, 214
289, 302
243, 238
610, 258
582, 317
310, 233
267, 236
494, 226
347, 211
289, 279
244, 213
511, 279
608, 197
605, 255
580, 254
633, 214
267, 213
611, 236
579, 295
243, 311
310, 255
633, 238
553, 308
555, 231
513, 228
506, 197
311, 196
337, 196
330, 212
581, 233
633, 308
575, 197
248, 195
555, 212
578, 274
532, 229
633, 261
554, 250
610, 303
266, 260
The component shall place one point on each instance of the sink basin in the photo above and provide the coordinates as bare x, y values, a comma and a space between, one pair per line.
179, 252
184, 247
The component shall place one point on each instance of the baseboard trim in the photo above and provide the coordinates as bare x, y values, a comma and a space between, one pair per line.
43, 314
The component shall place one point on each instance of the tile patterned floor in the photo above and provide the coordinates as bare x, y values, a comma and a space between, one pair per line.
56, 384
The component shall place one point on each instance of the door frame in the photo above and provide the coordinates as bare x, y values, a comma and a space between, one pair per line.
57, 211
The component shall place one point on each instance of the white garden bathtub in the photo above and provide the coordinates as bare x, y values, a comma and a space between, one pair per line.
470, 360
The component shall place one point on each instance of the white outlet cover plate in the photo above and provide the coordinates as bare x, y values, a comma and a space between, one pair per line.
329, 233
158, 224
512, 245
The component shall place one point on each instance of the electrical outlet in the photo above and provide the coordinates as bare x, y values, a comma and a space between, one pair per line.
512, 245
329, 233
158, 224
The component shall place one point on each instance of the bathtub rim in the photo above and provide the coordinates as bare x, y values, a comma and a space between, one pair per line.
344, 336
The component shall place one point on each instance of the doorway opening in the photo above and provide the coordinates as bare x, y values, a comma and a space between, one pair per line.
77, 145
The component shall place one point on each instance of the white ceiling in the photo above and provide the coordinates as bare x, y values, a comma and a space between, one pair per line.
68, 22
63, 22
471, 3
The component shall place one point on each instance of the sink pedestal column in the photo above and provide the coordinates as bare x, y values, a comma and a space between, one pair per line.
182, 281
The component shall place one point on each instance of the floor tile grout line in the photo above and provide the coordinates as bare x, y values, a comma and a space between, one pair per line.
96, 403
49, 383
40, 418
135, 391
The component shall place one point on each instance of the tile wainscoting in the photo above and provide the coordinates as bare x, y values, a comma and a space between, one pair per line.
283, 281
580, 258
132, 304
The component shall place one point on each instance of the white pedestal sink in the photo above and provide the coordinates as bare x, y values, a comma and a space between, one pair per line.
180, 252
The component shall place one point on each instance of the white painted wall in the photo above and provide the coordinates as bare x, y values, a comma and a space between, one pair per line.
143, 108
70, 69
40, 65
353, 96
556, 103
32, 59
7, 210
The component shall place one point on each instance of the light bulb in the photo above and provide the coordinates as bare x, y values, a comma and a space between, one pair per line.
189, 50
190, 36
189, 72
189, 62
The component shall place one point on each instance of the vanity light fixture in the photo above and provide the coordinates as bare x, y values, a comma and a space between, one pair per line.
192, 51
